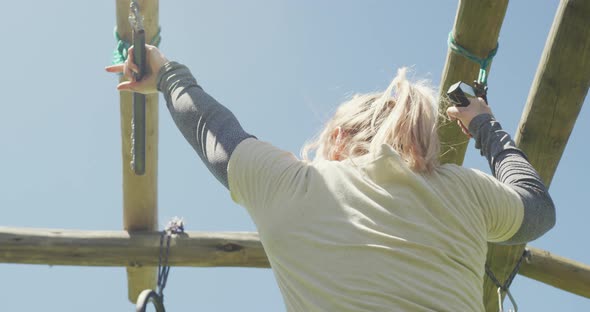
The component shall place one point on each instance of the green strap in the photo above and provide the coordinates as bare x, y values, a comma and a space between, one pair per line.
484, 63
120, 53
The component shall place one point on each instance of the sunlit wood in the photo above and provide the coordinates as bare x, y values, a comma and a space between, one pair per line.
140, 193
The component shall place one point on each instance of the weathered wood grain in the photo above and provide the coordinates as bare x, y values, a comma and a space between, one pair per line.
555, 99
131, 249
476, 28
557, 271
218, 249
140, 193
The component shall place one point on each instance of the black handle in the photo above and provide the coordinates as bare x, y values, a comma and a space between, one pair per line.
138, 121
139, 53
457, 95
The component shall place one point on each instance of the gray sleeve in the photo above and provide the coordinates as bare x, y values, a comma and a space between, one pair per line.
211, 129
510, 166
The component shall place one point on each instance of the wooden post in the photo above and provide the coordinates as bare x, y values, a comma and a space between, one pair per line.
477, 26
554, 102
140, 212
559, 88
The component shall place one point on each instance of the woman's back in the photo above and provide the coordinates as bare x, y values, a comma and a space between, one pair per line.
369, 233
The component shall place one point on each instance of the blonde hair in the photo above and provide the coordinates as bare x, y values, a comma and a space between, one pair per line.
404, 116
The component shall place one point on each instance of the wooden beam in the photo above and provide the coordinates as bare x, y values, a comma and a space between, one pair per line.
559, 88
140, 212
131, 249
557, 271
477, 26
554, 102
200, 249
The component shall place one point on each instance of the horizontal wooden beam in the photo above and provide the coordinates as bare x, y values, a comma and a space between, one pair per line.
221, 249
557, 271
131, 249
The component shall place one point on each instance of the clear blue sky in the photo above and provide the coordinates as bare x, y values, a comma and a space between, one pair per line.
281, 67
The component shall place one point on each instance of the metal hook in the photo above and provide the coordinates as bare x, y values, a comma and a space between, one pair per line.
512, 301
149, 296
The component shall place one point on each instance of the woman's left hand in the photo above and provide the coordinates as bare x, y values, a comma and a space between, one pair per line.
148, 84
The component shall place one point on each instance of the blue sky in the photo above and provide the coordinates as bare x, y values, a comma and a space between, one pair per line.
281, 67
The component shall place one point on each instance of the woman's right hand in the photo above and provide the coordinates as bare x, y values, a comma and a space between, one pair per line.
464, 115
148, 84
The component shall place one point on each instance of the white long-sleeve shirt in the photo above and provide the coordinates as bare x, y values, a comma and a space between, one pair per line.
369, 234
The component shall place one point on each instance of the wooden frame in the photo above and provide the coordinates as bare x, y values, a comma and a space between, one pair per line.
555, 99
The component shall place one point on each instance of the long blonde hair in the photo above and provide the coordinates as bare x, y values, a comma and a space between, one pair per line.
404, 116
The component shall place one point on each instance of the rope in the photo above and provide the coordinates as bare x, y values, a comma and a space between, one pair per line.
156, 298
504, 287
483, 62
120, 52
175, 226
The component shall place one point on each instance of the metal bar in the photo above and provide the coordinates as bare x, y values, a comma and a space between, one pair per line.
138, 116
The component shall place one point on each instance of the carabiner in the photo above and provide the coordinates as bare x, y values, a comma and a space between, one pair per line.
149, 296
512, 301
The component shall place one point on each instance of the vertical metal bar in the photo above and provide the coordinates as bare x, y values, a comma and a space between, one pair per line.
138, 116
138, 134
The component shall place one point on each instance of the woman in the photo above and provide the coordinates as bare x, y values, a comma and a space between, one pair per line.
374, 222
